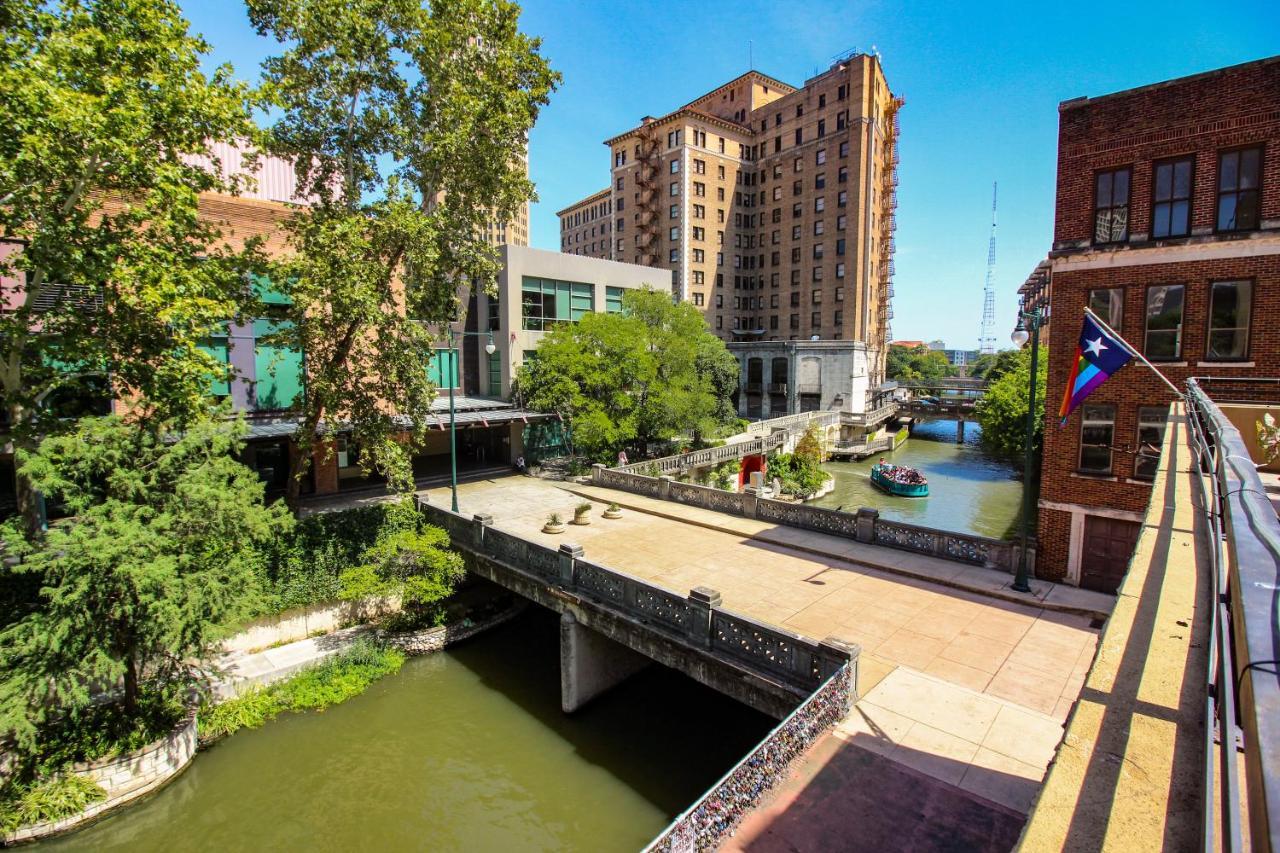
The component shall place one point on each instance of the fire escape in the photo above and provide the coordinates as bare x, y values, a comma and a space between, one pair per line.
882, 333
648, 169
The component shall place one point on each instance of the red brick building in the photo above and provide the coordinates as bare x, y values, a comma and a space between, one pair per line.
1168, 226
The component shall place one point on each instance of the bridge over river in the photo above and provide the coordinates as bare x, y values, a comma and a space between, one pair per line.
764, 611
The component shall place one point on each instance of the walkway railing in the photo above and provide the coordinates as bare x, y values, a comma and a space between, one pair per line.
865, 526
792, 422
714, 815
875, 416
707, 456
1243, 694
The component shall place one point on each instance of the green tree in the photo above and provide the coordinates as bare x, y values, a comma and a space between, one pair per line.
916, 364
410, 559
1002, 412
160, 551
105, 105
991, 366
408, 123
650, 373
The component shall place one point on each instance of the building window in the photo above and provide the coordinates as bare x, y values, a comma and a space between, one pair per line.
699, 211
844, 149
1111, 206
843, 175
795, 321
675, 188
699, 233
673, 256
1164, 322
720, 320
675, 166
1229, 309
700, 167
1108, 304
698, 299
842, 198
822, 128
820, 156
817, 273
818, 228
839, 290
816, 297
840, 274
674, 234
545, 303
777, 193
841, 222
699, 256
839, 320
699, 188
795, 210
1171, 198
820, 181
797, 165
815, 319
613, 300
1151, 420
817, 251
620, 183
1097, 428
1239, 177
819, 204
495, 375
699, 277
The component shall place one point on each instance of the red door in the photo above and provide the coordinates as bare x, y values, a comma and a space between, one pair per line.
1108, 548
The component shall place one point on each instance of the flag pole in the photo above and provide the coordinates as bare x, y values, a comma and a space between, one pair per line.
1133, 351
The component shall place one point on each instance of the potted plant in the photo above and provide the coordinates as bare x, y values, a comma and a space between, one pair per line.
554, 524
613, 511
582, 513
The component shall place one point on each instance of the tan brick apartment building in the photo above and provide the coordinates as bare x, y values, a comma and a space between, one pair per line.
771, 206
1168, 226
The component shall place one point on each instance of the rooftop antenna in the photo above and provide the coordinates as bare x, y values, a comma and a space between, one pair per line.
987, 336
751, 55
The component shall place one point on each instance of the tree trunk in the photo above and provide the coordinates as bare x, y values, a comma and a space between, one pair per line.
131, 685
29, 500
300, 459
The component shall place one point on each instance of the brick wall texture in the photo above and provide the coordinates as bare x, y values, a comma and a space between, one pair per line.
1199, 116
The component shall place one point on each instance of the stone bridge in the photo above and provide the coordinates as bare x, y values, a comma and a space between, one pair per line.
613, 624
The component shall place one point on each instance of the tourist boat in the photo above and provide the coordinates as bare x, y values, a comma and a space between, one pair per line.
900, 480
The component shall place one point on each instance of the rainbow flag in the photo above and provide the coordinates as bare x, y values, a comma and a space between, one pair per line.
1099, 354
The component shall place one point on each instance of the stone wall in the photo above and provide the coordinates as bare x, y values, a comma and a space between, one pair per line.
713, 817
864, 526
124, 778
303, 622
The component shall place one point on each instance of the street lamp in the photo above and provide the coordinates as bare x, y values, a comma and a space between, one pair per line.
1028, 328
490, 348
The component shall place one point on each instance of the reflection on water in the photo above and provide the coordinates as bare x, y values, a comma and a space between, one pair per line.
463, 750
970, 491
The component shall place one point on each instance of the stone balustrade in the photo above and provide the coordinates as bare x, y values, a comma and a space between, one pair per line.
705, 824
793, 422
706, 457
697, 620
865, 526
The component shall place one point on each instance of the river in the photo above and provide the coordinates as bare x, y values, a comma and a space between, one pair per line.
462, 750
970, 490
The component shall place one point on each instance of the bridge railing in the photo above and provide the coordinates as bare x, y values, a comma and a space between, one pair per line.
801, 420
696, 619
875, 416
863, 526
717, 812
1243, 694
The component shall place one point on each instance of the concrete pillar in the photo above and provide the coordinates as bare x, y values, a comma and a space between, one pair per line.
865, 525
597, 473
702, 600
835, 653
482, 521
568, 553
959, 430
664, 487
591, 663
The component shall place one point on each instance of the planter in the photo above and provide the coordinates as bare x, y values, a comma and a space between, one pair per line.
553, 528
613, 513
585, 518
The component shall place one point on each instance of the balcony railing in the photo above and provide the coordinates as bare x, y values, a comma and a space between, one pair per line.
777, 388
1243, 694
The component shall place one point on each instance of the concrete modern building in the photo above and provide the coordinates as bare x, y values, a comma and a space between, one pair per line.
770, 207
538, 290
1167, 226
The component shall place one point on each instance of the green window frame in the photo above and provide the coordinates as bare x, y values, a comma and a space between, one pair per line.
217, 347
442, 369
495, 374
547, 303
278, 370
613, 300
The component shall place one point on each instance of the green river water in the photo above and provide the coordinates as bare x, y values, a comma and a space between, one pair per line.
462, 750
970, 491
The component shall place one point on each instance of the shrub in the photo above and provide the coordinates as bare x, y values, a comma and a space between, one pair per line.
51, 799
798, 475
582, 508
334, 680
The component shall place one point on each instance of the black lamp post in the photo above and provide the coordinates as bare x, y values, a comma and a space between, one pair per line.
490, 348
1028, 327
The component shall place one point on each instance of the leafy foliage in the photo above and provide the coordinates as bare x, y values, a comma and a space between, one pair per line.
809, 447
1268, 437
410, 559
916, 364
47, 800
333, 680
408, 122
798, 474
162, 548
105, 106
991, 366
1002, 412
642, 376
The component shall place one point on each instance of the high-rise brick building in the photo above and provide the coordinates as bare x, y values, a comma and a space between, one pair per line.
1168, 226
771, 206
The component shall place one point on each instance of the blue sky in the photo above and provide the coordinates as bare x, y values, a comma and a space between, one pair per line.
981, 82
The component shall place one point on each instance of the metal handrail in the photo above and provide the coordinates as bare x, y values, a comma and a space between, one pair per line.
1243, 690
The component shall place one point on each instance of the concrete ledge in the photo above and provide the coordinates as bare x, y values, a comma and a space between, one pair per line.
125, 778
